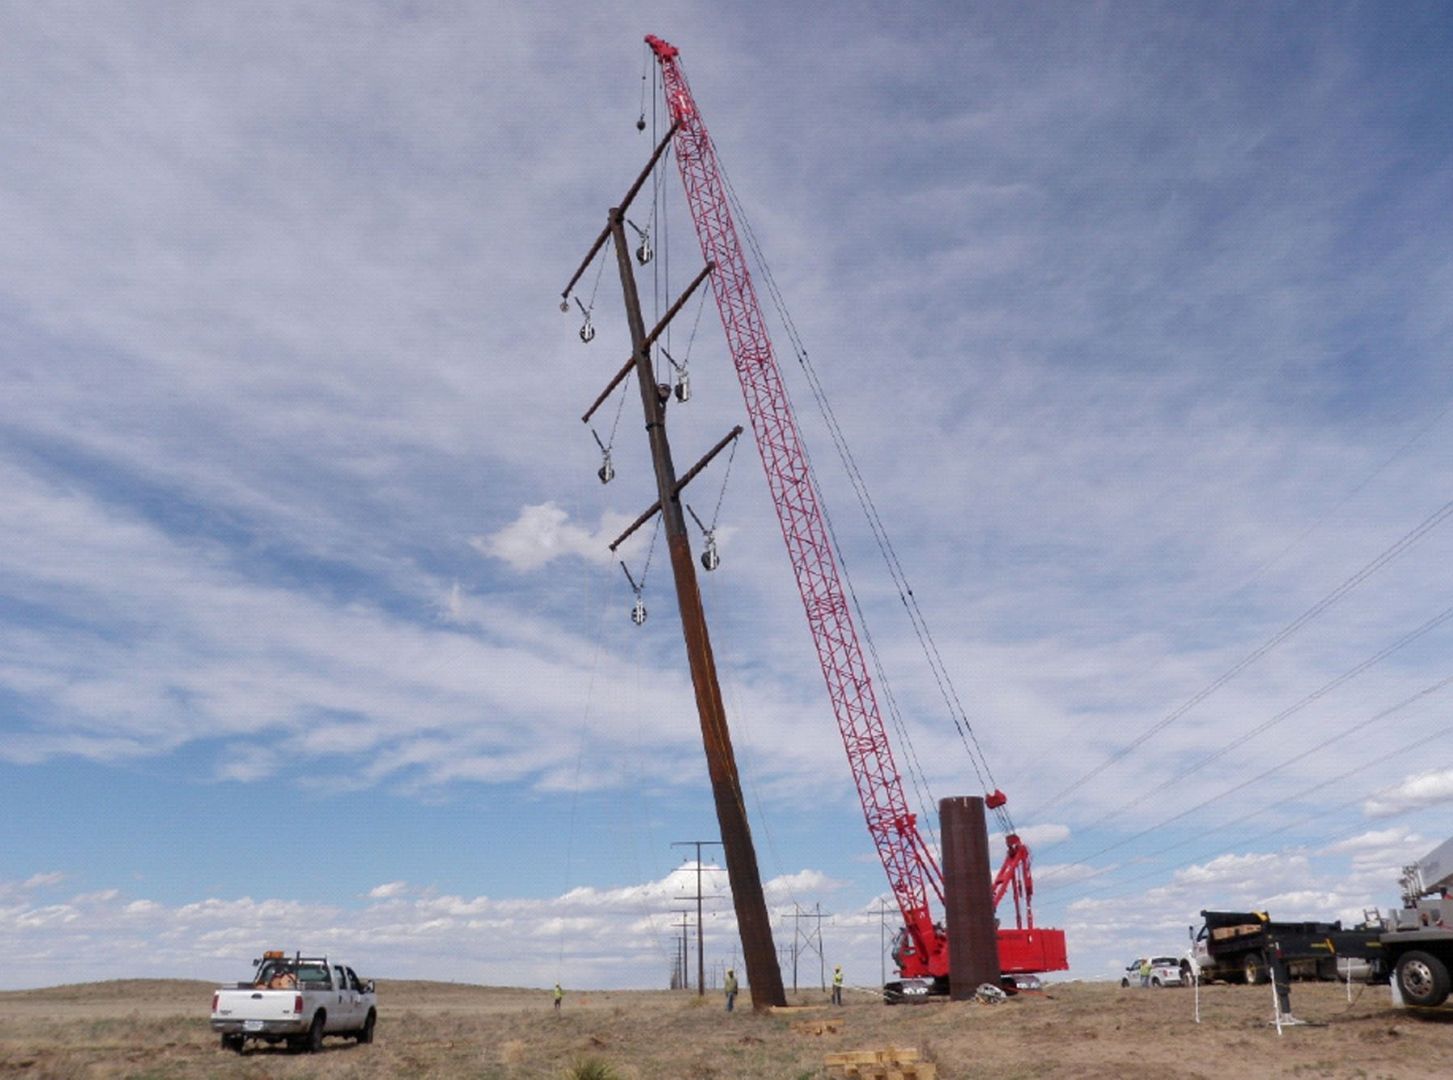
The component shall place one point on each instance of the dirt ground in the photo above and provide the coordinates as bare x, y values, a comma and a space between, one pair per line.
159, 1029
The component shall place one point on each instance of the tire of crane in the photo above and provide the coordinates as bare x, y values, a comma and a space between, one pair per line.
1422, 978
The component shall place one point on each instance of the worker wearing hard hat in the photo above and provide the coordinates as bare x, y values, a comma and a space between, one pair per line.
731, 989
837, 984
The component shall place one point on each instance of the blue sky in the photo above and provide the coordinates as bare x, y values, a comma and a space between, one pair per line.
1135, 317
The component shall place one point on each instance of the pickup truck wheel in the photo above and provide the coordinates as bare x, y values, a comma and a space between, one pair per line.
315, 1032
232, 1042
1254, 970
1124, 984
1422, 978
366, 1034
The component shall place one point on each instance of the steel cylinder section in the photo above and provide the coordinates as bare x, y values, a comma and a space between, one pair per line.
968, 898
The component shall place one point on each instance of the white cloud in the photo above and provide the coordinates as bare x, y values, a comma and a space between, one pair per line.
543, 533
1414, 793
388, 890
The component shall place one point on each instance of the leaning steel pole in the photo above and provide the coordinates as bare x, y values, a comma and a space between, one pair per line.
758, 952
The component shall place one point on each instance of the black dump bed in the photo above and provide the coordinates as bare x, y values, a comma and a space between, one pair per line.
1233, 932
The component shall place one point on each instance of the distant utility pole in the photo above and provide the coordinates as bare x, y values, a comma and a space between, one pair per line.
813, 939
883, 910
684, 983
700, 926
748, 898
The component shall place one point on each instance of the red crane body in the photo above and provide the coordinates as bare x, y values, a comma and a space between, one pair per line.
910, 865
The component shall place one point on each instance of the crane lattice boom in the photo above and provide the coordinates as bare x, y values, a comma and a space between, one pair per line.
910, 865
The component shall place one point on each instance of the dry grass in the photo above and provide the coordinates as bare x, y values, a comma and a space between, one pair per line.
143, 1029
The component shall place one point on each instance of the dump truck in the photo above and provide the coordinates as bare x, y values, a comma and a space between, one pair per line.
1232, 946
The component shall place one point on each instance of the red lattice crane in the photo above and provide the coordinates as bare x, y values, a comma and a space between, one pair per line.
922, 949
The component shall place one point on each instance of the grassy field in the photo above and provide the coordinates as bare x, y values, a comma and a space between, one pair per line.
146, 1028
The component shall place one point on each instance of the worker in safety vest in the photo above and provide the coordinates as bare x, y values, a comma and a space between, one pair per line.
1145, 973
730, 985
559, 996
837, 984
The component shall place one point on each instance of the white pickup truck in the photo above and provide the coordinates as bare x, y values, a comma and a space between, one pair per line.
295, 999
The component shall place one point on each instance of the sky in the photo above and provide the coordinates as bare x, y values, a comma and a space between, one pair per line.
1134, 318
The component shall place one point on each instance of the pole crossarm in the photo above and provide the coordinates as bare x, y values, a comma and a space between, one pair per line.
650, 340
625, 204
691, 474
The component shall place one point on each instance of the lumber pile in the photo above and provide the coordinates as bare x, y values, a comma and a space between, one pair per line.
889, 1063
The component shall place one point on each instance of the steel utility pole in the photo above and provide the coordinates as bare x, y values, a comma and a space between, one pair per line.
763, 975
700, 926
816, 915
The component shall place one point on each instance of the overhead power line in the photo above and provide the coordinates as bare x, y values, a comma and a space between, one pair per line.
1401, 547
1320, 814
1360, 726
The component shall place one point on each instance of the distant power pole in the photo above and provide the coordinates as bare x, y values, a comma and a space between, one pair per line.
684, 983
700, 926
883, 910
813, 940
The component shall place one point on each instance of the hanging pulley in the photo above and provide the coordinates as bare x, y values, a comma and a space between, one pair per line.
638, 609
644, 254
607, 471
682, 388
710, 557
641, 123
587, 329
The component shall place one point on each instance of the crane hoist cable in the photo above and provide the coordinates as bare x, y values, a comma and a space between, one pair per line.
868, 506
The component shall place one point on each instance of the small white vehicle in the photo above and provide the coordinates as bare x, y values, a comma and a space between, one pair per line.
1164, 971
295, 999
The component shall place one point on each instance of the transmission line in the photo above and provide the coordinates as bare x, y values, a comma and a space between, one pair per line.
1405, 543
1360, 726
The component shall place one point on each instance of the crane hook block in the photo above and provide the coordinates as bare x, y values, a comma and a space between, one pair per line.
995, 799
638, 612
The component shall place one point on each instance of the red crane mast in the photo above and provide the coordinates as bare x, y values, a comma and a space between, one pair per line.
910, 864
